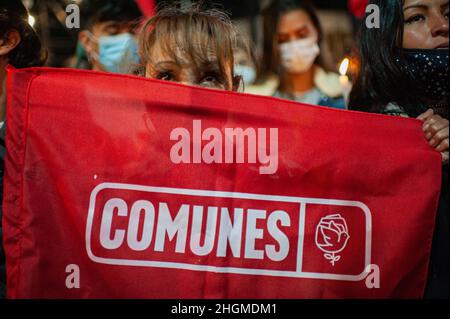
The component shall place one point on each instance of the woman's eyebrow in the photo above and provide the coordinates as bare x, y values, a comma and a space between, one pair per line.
161, 63
298, 30
211, 63
208, 65
301, 29
304, 27
414, 6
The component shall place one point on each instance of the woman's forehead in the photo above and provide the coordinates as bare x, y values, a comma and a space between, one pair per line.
294, 20
423, 3
174, 51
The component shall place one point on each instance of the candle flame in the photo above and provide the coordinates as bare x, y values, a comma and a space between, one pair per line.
344, 66
31, 20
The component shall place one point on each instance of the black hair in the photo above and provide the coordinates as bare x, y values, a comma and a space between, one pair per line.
28, 53
98, 11
381, 79
271, 17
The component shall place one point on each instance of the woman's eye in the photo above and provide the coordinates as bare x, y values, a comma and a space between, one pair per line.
302, 34
282, 39
166, 76
415, 18
210, 78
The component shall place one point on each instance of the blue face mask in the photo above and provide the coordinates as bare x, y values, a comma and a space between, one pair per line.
118, 53
247, 73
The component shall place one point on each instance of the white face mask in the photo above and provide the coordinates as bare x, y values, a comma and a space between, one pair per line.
298, 56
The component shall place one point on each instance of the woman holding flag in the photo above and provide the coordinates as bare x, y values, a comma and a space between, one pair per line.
404, 72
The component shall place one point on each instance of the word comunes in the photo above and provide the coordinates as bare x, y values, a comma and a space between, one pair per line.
228, 147
226, 231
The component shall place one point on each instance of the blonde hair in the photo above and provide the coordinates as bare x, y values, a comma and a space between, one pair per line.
197, 33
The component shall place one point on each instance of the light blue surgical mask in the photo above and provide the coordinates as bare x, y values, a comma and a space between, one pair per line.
247, 73
118, 53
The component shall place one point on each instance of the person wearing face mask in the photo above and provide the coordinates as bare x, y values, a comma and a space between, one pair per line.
247, 67
404, 72
297, 48
245, 62
108, 40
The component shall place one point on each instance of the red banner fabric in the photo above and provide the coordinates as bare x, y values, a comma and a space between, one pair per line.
123, 187
148, 7
358, 7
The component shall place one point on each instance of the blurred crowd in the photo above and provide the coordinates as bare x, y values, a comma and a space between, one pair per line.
396, 65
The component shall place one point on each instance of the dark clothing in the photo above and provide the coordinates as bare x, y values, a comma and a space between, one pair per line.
438, 280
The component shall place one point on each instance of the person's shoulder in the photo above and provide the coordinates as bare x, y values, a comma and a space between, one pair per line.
266, 87
337, 103
328, 83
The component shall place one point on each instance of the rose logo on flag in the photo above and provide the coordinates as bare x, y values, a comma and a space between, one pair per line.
332, 236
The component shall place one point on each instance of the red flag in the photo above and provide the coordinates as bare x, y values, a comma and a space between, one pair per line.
148, 7
358, 7
120, 186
